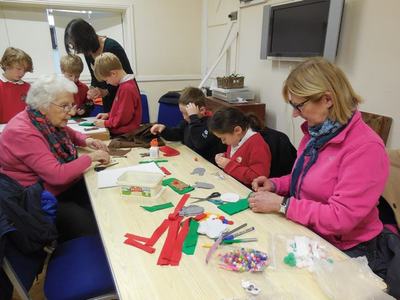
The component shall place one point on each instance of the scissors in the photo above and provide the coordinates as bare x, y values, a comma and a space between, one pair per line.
99, 168
221, 239
200, 199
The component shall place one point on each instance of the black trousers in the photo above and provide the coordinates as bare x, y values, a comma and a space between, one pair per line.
75, 216
383, 255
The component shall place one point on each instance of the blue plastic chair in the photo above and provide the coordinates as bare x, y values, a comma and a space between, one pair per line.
78, 269
145, 109
168, 110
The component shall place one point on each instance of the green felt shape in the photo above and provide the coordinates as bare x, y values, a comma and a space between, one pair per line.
232, 208
158, 207
189, 245
290, 260
86, 124
170, 182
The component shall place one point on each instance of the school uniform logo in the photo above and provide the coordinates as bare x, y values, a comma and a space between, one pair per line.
205, 134
239, 159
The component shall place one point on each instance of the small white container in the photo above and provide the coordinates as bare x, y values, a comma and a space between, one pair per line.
144, 184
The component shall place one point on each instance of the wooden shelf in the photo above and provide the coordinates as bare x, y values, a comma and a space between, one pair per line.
250, 106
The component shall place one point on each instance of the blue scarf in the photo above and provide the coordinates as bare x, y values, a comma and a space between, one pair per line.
320, 135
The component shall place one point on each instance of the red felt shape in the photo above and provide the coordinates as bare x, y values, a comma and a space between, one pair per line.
169, 151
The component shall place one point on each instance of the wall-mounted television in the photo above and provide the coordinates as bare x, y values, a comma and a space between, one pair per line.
301, 29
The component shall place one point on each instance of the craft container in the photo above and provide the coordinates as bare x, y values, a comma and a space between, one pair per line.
143, 184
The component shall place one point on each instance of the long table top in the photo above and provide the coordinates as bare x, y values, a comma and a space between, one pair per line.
136, 273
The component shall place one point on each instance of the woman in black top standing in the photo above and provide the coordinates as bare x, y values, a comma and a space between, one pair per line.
80, 37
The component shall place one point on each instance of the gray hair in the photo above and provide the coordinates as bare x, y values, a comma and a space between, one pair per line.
46, 88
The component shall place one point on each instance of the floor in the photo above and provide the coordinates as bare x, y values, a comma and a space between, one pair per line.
36, 291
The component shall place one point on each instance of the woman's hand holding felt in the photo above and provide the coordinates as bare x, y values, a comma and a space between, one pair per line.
265, 202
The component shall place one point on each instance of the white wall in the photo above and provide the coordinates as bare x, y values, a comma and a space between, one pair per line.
368, 52
166, 40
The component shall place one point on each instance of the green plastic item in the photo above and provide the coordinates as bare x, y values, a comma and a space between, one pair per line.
290, 260
158, 207
232, 208
189, 245
173, 183
87, 124
155, 160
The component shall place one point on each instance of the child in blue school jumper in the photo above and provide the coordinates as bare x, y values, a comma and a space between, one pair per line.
193, 131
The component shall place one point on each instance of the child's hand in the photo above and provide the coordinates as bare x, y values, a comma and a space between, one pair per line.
93, 93
192, 109
102, 116
157, 128
80, 111
99, 123
221, 160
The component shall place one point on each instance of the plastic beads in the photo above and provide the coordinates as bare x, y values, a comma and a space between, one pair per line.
244, 260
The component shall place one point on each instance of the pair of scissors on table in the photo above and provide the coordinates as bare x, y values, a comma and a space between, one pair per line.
223, 235
211, 196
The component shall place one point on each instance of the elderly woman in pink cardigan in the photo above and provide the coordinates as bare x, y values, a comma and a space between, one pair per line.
36, 145
341, 167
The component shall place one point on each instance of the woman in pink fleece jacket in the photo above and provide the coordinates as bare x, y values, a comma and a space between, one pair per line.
341, 165
36, 145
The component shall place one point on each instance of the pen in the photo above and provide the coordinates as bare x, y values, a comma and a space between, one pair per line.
239, 241
232, 236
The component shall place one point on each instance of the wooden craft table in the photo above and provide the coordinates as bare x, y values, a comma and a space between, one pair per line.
136, 273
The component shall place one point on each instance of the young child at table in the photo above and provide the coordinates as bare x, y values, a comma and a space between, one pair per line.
248, 156
126, 111
13, 90
72, 66
193, 131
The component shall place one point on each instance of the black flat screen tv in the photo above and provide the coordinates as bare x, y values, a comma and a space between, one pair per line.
301, 29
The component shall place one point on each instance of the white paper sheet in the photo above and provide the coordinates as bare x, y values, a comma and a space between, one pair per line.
108, 178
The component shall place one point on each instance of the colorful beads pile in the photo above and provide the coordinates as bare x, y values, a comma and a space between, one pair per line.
244, 260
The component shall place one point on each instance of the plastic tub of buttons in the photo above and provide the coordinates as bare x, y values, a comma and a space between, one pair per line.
142, 184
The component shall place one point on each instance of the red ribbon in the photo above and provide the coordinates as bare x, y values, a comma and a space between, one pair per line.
172, 250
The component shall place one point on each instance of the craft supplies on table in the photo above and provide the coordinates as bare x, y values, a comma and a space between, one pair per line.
137, 183
299, 251
177, 185
242, 259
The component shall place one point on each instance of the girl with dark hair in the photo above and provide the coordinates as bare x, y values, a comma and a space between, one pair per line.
80, 37
248, 155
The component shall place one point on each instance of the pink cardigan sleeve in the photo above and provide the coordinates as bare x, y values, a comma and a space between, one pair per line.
361, 180
77, 138
33, 150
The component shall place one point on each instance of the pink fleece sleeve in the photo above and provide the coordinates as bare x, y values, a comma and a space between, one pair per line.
361, 180
77, 138
33, 150
282, 184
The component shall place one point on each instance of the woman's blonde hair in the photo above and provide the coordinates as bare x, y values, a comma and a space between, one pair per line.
14, 56
314, 77
71, 63
104, 64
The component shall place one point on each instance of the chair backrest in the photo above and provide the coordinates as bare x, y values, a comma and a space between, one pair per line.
392, 189
380, 124
282, 152
145, 109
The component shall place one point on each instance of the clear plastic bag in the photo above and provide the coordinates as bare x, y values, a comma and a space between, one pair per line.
298, 252
349, 279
